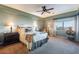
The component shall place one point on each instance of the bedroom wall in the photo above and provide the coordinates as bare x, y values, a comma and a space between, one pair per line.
74, 14
10, 15
49, 24
41, 23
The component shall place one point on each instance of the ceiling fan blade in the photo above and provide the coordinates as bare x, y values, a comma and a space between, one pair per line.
42, 12
43, 6
50, 9
39, 11
48, 12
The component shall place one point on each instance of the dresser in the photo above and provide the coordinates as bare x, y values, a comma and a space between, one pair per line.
9, 38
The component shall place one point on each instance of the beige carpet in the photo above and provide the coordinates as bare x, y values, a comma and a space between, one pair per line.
57, 46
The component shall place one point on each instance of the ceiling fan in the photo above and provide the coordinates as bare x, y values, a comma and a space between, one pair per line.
44, 9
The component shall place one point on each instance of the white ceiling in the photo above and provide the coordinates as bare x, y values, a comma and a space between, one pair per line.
32, 8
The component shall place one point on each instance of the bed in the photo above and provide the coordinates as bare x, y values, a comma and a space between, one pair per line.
39, 39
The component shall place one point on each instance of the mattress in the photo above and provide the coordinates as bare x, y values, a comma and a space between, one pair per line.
39, 36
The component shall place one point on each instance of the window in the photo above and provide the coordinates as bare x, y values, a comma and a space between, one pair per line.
68, 24
63, 24
59, 25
